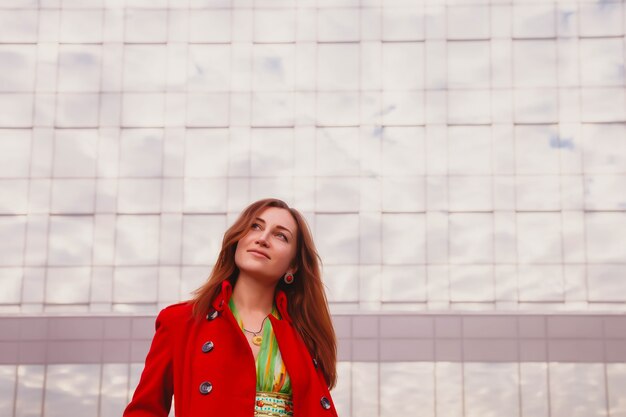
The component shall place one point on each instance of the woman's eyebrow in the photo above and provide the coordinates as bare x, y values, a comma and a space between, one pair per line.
278, 226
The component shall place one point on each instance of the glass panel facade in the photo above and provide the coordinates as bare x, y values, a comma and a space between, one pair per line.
365, 388
455, 158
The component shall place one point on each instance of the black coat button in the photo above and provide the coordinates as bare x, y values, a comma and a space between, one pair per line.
207, 347
205, 388
213, 313
325, 403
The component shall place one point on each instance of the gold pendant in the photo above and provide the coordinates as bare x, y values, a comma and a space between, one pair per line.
257, 340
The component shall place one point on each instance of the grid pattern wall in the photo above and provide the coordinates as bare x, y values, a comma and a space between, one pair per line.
431, 364
448, 156
377, 389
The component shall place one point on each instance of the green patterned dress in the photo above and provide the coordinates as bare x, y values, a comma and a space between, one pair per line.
273, 385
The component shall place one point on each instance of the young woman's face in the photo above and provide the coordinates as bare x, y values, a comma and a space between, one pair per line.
268, 249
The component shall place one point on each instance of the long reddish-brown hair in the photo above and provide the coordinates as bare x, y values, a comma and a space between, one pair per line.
307, 304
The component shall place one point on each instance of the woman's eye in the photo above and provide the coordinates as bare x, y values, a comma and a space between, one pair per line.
254, 224
283, 235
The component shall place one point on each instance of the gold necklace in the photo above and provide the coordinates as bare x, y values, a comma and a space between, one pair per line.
256, 339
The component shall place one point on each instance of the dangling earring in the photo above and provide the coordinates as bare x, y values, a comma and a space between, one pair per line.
288, 278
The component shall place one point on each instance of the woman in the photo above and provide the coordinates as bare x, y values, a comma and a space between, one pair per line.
256, 339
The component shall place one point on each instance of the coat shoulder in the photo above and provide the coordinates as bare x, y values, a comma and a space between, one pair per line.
176, 313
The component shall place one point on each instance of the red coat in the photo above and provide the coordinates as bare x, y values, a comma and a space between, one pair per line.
177, 364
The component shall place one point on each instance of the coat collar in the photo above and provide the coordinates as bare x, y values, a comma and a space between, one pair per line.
280, 298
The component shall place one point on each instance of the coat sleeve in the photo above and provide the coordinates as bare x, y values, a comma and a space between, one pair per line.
153, 395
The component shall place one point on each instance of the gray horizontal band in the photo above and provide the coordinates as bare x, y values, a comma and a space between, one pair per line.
362, 337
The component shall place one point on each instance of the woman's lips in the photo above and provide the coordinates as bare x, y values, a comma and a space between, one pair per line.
257, 254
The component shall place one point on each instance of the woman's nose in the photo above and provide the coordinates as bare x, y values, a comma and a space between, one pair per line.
262, 239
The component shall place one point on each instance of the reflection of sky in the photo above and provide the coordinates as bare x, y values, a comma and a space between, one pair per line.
486, 140
86, 390
447, 156
465, 390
